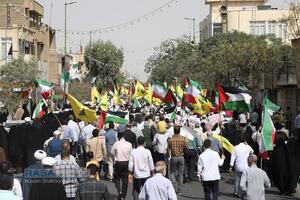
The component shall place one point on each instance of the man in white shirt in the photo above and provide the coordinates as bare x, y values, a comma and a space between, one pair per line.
239, 161
140, 167
158, 187
254, 181
208, 170
75, 131
121, 150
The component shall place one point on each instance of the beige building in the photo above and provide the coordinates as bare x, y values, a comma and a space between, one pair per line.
23, 34
249, 16
78, 69
257, 18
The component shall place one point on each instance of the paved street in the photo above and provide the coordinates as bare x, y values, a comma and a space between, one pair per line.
195, 191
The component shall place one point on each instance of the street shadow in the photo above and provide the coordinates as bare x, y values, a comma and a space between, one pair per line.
226, 194
189, 197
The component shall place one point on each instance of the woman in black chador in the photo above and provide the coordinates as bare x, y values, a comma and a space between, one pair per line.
281, 163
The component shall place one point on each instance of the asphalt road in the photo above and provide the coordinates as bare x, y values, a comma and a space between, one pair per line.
194, 191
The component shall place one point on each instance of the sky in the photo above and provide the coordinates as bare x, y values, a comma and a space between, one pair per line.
137, 39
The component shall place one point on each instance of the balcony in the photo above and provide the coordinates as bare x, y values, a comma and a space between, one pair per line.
287, 77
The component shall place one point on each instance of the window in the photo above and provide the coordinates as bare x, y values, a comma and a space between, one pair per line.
6, 48
282, 31
271, 28
217, 28
258, 28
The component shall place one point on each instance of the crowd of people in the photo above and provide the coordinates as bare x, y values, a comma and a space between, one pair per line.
158, 154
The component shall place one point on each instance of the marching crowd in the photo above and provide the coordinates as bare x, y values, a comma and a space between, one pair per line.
157, 155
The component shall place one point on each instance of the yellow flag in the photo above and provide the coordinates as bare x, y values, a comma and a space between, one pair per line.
223, 141
82, 112
156, 101
207, 105
116, 98
149, 94
140, 91
172, 88
104, 102
198, 108
95, 96
179, 91
124, 91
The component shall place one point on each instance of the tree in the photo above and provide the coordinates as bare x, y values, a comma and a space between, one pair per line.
293, 21
219, 59
80, 90
15, 77
104, 60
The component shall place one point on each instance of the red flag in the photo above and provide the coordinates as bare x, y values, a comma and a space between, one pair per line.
223, 97
102, 119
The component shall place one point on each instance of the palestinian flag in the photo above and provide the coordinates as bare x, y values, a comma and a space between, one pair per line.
38, 111
115, 119
192, 92
268, 129
231, 98
137, 104
44, 88
159, 91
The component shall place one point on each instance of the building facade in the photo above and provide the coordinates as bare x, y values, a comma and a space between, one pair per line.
256, 18
24, 35
248, 16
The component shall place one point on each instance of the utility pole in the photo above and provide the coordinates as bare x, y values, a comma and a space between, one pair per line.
65, 47
90, 58
194, 28
7, 26
224, 16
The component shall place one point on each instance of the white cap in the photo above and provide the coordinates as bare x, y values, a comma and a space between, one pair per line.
40, 155
56, 133
27, 119
49, 161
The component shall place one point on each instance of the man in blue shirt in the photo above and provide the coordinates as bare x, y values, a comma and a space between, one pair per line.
110, 139
55, 145
158, 187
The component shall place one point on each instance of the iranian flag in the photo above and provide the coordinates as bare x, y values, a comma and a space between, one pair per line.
268, 129
44, 88
192, 92
159, 91
64, 79
38, 111
115, 119
231, 98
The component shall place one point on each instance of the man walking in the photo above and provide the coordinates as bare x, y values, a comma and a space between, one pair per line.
176, 146
140, 166
208, 171
69, 171
97, 146
254, 181
75, 132
239, 160
92, 189
110, 139
158, 187
121, 151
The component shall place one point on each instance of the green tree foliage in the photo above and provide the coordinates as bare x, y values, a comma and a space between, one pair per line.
104, 60
219, 59
15, 77
80, 90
